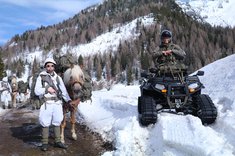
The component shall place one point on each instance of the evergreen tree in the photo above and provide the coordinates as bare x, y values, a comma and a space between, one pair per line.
145, 61
20, 68
98, 68
35, 67
113, 66
2, 72
124, 61
108, 68
80, 60
129, 75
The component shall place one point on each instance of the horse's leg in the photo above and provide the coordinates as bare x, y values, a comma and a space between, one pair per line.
73, 121
13, 98
62, 126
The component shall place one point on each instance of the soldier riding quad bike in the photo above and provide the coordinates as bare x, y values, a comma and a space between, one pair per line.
172, 90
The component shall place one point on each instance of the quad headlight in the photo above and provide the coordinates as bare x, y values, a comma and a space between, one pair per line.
159, 86
192, 87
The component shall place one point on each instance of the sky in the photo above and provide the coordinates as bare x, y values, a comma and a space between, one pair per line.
18, 16
114, 116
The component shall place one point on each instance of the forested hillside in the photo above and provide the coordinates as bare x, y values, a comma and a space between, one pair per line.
203, 44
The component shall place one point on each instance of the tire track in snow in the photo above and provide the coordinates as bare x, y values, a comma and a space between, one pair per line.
225, 123
188, 136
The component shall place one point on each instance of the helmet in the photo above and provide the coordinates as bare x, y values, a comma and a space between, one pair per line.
166, 33
49, 60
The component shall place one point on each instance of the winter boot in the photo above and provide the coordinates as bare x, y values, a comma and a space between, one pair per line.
45, 135
33, 107
9, 106
61, 145
44, 147
58, 142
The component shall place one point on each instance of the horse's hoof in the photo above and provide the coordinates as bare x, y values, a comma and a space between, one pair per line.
74, 137
62, 140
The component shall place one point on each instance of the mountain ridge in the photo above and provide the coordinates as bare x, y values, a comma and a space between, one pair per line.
202, 43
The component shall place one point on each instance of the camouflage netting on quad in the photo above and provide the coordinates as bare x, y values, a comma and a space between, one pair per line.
172, 69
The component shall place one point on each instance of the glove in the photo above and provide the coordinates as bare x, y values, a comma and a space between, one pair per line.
167, 52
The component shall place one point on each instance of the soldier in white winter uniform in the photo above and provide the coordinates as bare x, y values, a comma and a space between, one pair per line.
5, 93
51, 90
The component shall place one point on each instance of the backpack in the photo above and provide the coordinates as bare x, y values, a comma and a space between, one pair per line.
63, 62
22, 86
87, 87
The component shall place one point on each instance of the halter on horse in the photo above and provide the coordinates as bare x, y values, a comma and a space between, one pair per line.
73, 79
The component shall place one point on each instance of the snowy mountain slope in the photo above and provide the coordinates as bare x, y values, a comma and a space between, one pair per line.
220, 74
103, 43
215, 12
220, 79
110, 41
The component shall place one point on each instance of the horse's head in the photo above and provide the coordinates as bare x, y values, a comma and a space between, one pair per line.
14, 84
74, 89
74, 79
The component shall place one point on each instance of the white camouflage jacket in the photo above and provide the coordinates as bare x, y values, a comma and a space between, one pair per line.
41, 89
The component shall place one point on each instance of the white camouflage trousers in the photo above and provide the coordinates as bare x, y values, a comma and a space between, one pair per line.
51, 114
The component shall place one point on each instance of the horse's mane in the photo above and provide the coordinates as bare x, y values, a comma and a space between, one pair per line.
13, 80
74, 73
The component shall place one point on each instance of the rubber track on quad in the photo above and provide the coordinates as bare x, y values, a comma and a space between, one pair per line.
207, 112
147, 110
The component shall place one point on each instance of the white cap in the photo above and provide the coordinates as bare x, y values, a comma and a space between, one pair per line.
49, 60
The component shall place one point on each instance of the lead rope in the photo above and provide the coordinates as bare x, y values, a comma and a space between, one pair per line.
172, 72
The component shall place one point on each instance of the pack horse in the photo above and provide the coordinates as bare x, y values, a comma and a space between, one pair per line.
14, 89
73, 79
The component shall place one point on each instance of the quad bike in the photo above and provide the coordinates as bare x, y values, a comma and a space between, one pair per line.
173, 91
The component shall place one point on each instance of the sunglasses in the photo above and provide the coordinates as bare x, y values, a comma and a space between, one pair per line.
49, 66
